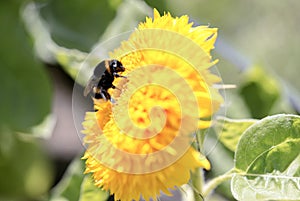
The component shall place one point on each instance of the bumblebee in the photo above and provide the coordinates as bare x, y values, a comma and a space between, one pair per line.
104, 74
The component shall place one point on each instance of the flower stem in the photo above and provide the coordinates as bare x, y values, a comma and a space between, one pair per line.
217, 181
201, 191
198, 175
200, 135
197, 184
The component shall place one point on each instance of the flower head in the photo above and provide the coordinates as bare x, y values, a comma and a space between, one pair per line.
141, 145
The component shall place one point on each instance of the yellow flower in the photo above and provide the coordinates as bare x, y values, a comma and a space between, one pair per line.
141, 144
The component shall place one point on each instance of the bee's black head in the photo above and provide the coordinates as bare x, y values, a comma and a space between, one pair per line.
116, 66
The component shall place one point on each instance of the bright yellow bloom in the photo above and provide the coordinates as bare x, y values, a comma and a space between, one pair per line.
141, 145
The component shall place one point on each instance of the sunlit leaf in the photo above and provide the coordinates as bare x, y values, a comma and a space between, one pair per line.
259, 91
76, 186
25, 86
230, 130
69, 186
89, 192
268, 160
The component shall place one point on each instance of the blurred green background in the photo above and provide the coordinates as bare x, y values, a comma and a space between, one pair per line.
43, 44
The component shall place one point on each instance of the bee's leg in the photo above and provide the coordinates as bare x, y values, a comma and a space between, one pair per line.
101, 94
118, 75
107, 96
112, 101
114, 87
104, 94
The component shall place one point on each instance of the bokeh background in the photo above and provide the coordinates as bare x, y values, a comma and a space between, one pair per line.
43, 44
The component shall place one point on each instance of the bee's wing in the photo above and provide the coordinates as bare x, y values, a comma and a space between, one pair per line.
93, 81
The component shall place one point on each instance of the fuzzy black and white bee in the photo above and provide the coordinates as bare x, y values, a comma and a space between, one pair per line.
104, 74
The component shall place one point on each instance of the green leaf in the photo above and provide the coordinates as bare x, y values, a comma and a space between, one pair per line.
89, 192
259, 91
129, 14
25, 171
268, 160
230, 130
78, 24
69, 186
25, 86
161, 6
127, 17
75, 186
